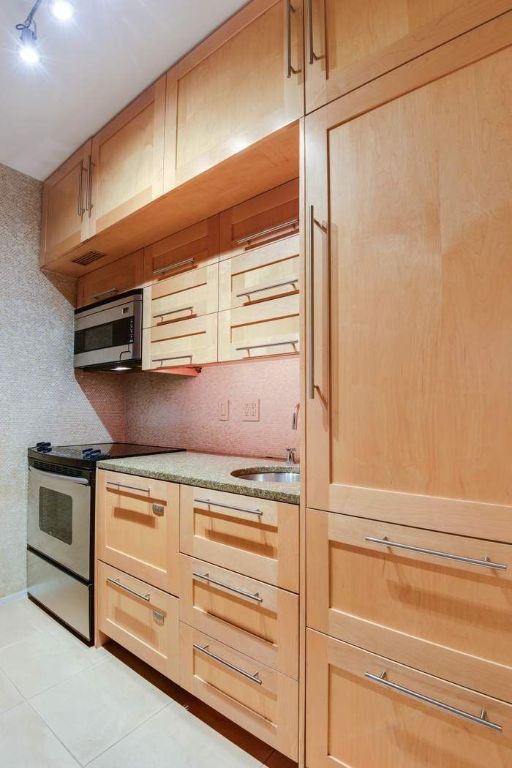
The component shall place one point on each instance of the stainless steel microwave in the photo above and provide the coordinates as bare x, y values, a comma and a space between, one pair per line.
108, 334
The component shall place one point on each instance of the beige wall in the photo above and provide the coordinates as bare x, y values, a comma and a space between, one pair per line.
40, 398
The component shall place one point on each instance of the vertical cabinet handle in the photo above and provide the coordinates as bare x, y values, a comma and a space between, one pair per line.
88, 203
311, 305
290, 69
311, 35
80, 206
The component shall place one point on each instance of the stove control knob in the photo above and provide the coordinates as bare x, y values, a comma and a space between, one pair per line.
43, 447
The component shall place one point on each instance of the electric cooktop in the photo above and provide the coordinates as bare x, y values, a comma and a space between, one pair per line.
87, 455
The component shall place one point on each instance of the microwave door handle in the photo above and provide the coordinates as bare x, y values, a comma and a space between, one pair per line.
78, 480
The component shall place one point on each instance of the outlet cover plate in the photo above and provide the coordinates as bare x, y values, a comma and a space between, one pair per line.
223, 410
251, 410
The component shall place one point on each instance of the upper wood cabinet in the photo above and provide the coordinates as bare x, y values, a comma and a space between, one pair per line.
65, 218
127, 159
114, 278
242, 84
194, 246
409, 413
351, 42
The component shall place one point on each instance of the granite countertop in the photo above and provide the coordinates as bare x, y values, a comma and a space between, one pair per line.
207, 470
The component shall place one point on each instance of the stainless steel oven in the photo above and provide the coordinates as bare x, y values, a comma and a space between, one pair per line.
108, 334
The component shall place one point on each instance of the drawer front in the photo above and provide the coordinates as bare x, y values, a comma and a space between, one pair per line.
194, 246
182, 297
186, 342
254, 537
259, 699
140, 618
260, 275
379, 584
108, 281
242, 613
138, 527
363, 710
258, 330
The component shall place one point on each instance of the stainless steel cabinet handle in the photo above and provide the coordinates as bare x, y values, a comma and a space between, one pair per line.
117, 583
88, 203
267, 231
483, 563
174, 311
105, 293
293, 282
249, 595
290, 70
253, 678
78, 480
80, 207
311, 305
129, 487
177, 265
478, 719
269, 344
209, 502
311, 39
163, 360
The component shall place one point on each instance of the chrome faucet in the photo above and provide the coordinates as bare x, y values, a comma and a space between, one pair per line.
290, 456
290, 452
295, 417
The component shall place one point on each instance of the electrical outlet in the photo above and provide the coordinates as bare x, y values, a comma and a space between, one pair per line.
251, 410
223, 410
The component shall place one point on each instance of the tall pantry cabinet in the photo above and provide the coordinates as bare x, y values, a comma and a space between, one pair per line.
408, 193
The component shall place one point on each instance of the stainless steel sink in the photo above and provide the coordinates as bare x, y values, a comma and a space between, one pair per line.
278, 475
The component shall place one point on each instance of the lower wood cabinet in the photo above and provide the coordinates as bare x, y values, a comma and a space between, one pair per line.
253, 617
137, 522
255, 537
363, 710
139, 617
258, 698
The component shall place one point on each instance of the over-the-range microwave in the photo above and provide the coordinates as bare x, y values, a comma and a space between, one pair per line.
108, 334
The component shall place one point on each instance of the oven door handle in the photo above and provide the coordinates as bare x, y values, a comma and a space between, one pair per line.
78, 480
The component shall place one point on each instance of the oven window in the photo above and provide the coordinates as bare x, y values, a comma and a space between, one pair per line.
97, 337
56, 514
114, 334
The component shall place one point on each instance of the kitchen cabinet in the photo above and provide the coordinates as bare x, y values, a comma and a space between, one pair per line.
194, 246
127, 160
408, 408
65, 212
113, 278
184, 296
351, 42
185, 342
242, 84
364, 710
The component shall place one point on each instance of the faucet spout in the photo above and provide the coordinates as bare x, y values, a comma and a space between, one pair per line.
295, 417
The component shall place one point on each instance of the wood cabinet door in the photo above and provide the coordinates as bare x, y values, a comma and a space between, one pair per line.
364, 710
351, 42
187, 342
184, 296
65, 218
128, 158
194, 246
409, 314
138, 527
113, 278
239, 86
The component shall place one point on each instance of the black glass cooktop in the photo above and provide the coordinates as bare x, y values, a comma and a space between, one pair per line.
88, 454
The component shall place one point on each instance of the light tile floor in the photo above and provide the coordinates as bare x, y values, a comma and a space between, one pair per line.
64, 705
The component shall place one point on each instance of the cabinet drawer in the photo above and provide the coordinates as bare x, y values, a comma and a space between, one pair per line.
261, 275
261, 700
114, 278
261, 620
257, 330
185, 342
364, 710
378, 585
182, 297
255, 537
140, 618
137, 527
194, 246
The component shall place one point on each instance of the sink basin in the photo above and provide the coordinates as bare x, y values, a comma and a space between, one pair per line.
280, 475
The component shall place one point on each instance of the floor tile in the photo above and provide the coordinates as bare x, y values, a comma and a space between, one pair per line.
26, 742
45, 659
21, 619
175, 739
94, 709
9, 696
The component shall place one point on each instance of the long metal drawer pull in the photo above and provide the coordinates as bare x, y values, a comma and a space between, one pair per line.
162, 360
478, 719
105, 293
209, 502
268, 231
177, 265
268, 344
485, 563
206, 577
117, 583
253, 678
174, 311
293, 281
129, 487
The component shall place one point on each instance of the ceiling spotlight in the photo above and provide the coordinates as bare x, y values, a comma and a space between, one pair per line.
28, 50
62, 9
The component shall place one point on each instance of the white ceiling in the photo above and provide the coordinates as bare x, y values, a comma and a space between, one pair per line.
91, 67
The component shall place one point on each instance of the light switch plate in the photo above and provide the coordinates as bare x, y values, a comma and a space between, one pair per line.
223, 410
251, 410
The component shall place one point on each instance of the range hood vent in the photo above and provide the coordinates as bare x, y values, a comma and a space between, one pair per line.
89, 258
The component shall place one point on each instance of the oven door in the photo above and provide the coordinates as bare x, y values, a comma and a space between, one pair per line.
59, 519
108, 334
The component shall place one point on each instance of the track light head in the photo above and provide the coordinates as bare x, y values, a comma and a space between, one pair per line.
28, 50
62, 9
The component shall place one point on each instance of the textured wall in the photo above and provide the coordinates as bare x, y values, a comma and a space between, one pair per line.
40, 398
167, 410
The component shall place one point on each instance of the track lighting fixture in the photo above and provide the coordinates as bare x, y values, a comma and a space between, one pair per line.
28, 47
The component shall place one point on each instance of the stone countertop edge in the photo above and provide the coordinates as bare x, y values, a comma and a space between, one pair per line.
207, 470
